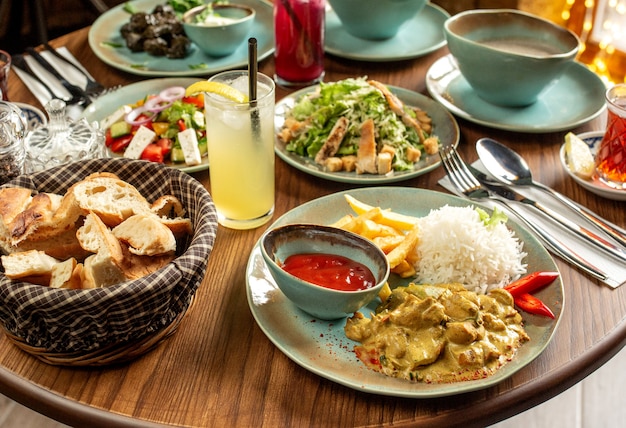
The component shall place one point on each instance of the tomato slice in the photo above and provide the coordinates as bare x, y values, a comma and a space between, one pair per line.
119, 144
197, 100
166, 146
152, 153
108, 139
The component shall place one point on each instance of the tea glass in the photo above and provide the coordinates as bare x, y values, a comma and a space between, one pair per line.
240, 141
611, 155
299, 36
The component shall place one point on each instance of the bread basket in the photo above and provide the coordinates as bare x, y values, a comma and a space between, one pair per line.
117, 323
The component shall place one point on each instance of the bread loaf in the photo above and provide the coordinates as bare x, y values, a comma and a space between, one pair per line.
31, 266
146, 235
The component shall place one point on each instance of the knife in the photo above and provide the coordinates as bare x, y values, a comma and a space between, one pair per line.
586, 234
76, 92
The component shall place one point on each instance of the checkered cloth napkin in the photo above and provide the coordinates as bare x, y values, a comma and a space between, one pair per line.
64, 321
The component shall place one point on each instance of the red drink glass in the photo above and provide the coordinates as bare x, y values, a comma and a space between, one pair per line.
5, 66
299, 35
611, 156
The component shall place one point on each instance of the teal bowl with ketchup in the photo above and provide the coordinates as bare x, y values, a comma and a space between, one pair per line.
327, 272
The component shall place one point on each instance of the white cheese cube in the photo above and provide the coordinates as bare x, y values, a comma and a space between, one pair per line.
140, 141
116, 116
189, 143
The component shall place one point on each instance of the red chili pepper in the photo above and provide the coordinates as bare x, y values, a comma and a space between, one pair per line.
196, 100
181, 125
533, 305
531, 283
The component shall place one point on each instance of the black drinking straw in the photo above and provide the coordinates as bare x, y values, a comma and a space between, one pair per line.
252, 86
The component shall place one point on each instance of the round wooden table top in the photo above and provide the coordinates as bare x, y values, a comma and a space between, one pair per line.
220, 369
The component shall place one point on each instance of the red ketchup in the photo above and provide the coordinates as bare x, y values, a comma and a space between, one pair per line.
330, 271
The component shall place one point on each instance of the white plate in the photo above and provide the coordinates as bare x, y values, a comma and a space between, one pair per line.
322, 347
594, 184
576, 98
106, 30
444, 126
35, 117
419, 36
107, 104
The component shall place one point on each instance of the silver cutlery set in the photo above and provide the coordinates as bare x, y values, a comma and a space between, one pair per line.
81, 96
507, 167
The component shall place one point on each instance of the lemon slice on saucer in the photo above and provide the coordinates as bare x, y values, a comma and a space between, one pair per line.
579, 157
218, 88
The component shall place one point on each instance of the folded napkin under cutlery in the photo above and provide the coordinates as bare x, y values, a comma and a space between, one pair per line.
611, 265
67, 71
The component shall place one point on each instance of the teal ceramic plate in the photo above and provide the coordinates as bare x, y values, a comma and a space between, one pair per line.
322, 347
594, 185
444, 125
106, 29
576, 98
419, 36
109, 103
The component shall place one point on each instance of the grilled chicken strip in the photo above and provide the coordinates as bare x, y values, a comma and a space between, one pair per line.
397, 106
332, 143
366, 153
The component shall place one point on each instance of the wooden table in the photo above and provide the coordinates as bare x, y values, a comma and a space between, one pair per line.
219, 369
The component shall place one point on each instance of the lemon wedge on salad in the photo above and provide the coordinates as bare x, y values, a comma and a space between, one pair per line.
218, 88
579, 157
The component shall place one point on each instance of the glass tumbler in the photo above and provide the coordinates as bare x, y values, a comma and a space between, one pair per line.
240, 142
611, 155
299, 36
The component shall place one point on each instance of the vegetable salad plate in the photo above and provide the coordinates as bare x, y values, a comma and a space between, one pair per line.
574, 99
322, 347
418, 36
444, 127
108, 44
594, 185
106, 105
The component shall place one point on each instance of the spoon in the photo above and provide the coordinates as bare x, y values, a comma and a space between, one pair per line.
508, 167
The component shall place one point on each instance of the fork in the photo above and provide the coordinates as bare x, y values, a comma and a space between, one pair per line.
465, 182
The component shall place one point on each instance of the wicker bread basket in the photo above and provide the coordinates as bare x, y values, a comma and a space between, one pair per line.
112, 324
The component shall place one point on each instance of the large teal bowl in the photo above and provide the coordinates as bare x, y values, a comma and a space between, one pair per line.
321, 302
507, 56
375, 20
220, 39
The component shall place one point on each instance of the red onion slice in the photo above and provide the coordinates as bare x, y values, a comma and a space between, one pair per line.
157, 104
135, 118
172, 94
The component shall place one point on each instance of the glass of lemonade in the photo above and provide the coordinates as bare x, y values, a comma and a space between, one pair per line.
240, 140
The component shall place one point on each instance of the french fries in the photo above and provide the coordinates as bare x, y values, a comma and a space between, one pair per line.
394, 233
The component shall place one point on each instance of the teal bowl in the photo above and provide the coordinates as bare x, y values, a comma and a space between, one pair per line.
225, 31
509, 57
321, 302
375, 20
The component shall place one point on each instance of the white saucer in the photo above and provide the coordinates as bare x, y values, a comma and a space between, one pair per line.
35, 117
420, 35
594, 185
574, 99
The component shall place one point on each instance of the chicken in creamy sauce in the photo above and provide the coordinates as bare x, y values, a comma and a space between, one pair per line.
439, 333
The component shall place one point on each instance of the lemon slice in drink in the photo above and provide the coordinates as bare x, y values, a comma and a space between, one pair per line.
218, 88
579, 157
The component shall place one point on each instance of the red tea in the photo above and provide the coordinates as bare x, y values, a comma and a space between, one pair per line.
611, 156
299, 35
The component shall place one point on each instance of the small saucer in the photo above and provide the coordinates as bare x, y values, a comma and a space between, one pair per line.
594, 184
35, 117
574, 99
419, 36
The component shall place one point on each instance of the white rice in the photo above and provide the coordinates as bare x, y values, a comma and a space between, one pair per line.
456, 246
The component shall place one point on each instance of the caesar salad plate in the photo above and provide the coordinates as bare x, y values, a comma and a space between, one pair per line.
418, 36
572, 100
107, 43
322, 347
444, 127
106, 105
593, 184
